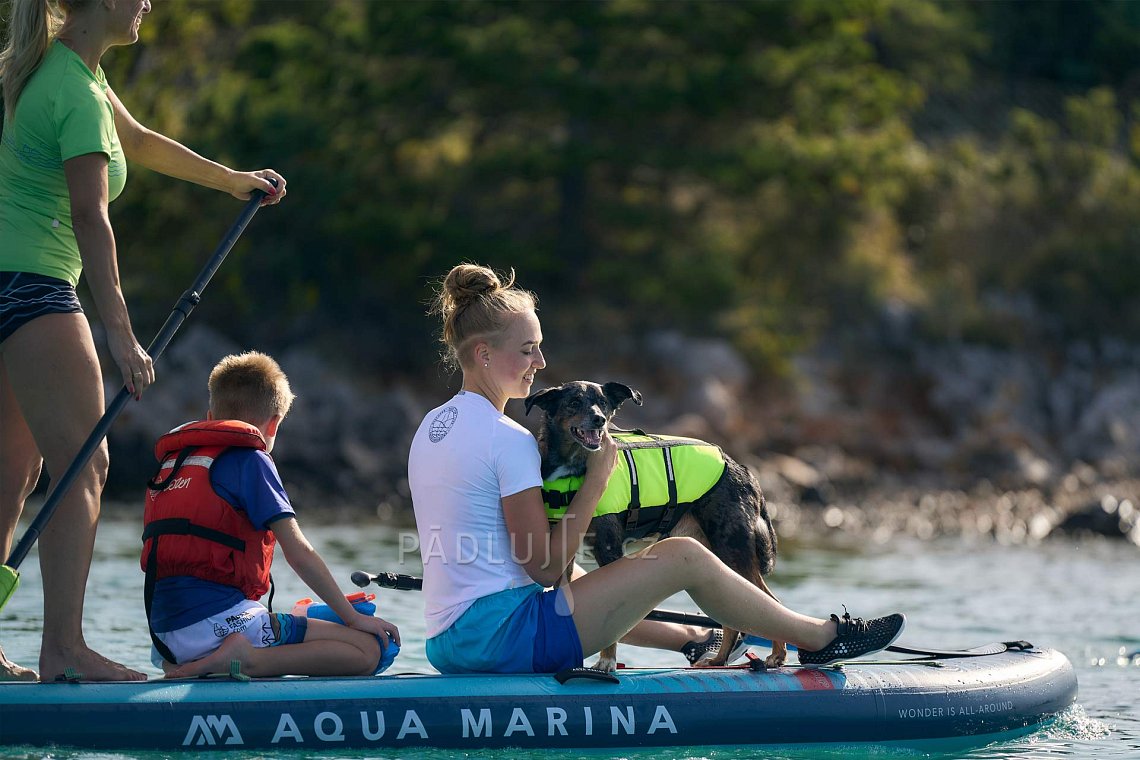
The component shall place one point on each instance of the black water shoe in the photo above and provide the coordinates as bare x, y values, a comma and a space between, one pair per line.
856, 638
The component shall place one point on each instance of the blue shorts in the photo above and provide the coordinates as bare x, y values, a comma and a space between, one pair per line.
25, 296
520, 630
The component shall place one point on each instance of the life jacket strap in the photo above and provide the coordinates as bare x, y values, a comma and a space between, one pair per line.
180, 526
557, 499
158, 485
634, 492
672, 515
149, 581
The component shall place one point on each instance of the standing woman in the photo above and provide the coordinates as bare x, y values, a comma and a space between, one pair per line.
66, 138
490, 556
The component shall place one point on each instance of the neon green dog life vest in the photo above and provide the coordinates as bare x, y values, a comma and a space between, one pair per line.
654, 476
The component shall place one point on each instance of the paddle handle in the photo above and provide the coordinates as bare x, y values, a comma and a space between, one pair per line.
398, 581
182, 310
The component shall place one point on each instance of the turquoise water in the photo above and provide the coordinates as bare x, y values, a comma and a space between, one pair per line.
1082, 598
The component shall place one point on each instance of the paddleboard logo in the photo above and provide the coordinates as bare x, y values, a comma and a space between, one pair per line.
442, 424
210, 730
812, 679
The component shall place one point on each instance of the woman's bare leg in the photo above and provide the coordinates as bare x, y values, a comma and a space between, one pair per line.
19, 471
53, 373
613, 599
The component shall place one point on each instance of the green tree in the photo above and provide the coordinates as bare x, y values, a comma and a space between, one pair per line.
767, 171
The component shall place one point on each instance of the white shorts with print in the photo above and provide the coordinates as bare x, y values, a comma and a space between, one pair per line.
260, 627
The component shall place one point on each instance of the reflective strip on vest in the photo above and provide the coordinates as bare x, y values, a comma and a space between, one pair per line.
192, 461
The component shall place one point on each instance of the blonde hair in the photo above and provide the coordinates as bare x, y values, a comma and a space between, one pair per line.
32, 27
474, 303
250, 387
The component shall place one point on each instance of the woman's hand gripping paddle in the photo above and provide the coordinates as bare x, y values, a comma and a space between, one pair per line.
9, 574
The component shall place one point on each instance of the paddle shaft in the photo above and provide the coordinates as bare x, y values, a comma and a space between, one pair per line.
181, 311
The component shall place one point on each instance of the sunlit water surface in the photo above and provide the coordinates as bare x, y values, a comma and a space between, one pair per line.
1082, 598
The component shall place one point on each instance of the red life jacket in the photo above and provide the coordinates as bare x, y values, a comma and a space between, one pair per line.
188, 529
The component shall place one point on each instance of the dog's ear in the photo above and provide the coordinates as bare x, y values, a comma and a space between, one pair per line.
546, 399
618, 393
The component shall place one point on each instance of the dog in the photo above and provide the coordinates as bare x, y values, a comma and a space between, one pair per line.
725, 510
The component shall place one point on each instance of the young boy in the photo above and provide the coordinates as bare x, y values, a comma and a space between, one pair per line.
213, 513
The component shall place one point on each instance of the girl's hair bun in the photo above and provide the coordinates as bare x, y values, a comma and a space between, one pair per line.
473, 301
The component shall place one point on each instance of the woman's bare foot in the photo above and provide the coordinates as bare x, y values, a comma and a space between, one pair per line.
10, 671
235, 647
89, 664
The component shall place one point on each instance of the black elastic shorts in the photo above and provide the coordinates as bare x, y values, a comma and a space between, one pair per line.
25, 296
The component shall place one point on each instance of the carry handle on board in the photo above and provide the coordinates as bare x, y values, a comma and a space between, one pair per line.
403, 582
9, 574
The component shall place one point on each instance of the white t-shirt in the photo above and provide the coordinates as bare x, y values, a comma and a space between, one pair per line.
465, 457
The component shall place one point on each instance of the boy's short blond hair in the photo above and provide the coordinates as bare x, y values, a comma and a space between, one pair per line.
250, 387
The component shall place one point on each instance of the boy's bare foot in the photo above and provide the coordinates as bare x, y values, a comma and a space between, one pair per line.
89, 664
235, 647
10, 671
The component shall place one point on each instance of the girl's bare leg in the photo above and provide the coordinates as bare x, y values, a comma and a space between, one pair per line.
613, 599
669, 636
655, 634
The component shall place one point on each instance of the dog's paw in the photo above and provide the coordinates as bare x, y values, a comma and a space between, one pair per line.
605, 664
779, 655
709, 660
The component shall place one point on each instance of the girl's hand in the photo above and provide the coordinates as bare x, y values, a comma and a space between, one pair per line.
243, 183
601, 463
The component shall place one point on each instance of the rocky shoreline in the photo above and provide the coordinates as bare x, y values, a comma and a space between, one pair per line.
1079, 508
924, 442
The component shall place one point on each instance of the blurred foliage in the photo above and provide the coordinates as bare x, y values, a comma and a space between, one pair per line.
768, 171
